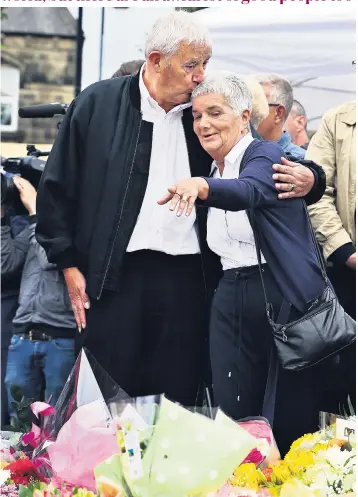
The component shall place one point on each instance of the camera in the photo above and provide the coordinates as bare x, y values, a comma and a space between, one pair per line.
29, 167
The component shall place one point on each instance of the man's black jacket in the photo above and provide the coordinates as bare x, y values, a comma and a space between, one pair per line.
95, 179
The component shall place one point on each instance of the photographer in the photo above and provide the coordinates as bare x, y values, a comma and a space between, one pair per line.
41, 351
14, 246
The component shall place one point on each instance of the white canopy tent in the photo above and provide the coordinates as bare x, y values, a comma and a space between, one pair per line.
311, 45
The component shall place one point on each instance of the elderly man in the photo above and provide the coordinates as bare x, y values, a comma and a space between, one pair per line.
145, 277
296, 125
279, 95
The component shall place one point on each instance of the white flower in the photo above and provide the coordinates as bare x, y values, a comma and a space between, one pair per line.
335, 456
5, 474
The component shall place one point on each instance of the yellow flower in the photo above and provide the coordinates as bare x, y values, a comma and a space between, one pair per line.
294, 488
83, 492
281, 471
274, 491
305, 442
246, 475
299, 460
320, 446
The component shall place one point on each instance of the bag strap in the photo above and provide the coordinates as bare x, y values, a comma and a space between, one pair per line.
269, 402
251, 215
315, 243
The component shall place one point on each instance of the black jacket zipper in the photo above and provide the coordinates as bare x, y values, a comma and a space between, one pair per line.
120, 216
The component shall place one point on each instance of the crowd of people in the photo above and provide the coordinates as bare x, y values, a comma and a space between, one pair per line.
169, 224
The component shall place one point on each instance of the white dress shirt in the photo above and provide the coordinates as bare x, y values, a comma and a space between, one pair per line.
157, 227
229, 234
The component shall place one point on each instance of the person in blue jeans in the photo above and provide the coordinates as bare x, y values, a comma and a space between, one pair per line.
14, 246
41, 352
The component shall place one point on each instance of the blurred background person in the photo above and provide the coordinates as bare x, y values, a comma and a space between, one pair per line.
333, 219
14, 246
41, 352
260, 107
296, 125
129, 68
279, 96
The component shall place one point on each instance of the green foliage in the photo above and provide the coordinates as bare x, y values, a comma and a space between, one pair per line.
22, 421
28, 490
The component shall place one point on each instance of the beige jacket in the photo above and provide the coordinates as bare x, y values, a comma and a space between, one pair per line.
334, 148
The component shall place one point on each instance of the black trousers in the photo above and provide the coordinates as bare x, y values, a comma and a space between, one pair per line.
152, 336
240, 347
341, 371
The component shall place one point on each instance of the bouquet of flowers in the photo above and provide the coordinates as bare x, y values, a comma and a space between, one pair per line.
317, 465
181, 454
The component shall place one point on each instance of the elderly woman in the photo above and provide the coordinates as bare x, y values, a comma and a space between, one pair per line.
240, 334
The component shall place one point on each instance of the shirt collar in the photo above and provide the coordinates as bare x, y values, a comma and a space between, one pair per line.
236, 151
284, 140
149, 101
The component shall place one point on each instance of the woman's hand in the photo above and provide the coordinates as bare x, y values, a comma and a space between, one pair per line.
183, 195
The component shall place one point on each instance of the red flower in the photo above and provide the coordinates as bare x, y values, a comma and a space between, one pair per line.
22, 470
267, 472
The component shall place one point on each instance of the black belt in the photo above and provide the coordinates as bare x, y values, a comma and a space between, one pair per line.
35, 336
39, 336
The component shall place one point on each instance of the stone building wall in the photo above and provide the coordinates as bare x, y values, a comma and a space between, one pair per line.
47, 75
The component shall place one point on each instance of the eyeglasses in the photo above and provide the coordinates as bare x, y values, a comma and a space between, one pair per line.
273, 105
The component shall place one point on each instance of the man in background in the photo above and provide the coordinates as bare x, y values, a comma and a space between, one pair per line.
279, 95
333, 219
14, 247
129, 68
296, 125
42, 348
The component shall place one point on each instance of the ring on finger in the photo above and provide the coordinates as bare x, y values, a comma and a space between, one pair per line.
293, 186
184, 198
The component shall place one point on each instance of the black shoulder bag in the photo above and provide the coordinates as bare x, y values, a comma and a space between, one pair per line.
323, 331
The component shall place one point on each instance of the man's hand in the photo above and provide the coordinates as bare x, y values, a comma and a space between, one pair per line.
76, 286
351, 262
295, 180
27, 194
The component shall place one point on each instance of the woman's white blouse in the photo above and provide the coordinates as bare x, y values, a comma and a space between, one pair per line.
229, 234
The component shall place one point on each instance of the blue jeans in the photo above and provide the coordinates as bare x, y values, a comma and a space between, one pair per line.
37, 365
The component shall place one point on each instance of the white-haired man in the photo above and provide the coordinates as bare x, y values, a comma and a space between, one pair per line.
279, 95
145, 278
296, 125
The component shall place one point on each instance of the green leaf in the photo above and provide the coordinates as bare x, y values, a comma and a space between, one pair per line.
23, 415
16, 393
25, 491
27, 402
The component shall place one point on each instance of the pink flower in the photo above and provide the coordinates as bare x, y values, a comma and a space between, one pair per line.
255, 457
42, 408
33, 437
